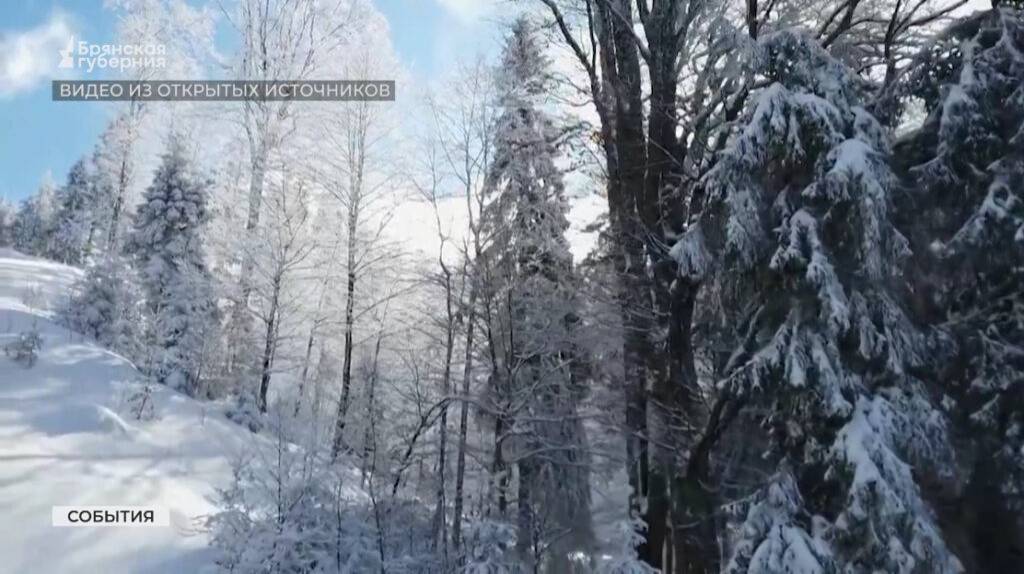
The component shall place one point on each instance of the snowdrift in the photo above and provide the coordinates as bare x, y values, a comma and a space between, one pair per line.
67, 438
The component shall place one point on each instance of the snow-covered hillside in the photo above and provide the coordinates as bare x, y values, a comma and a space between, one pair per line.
66, 439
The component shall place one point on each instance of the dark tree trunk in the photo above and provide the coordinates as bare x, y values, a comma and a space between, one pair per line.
644, 201
338, 444
525, 519
268, 347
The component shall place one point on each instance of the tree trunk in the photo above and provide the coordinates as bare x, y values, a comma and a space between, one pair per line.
499, 468
252, 221
305, 368
268, 347
525, 519
442, 450
123, 180
309, 344
460, 465
338, 444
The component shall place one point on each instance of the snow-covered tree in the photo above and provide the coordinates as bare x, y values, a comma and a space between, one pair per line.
624, 559
34, 226
8, 216
167, 245
76, 220
490, 549
114, 168
798, 244
283, 253
359, 175
964, 212
106, 306
537, 377
286, 511
282, 41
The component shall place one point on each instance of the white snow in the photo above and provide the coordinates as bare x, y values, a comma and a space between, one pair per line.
66, 440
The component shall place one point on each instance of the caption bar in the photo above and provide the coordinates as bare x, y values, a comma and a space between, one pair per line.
132, 516
223, 91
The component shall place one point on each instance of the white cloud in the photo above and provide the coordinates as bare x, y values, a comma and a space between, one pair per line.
31, 56
467, 11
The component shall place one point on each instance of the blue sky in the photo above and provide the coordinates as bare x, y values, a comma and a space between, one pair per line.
38, 135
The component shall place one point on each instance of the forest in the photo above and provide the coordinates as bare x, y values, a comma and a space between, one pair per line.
680, 286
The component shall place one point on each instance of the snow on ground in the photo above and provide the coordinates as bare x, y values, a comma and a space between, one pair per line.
63, 443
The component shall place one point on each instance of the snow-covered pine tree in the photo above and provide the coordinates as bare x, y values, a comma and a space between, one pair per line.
167, 245
623, 558
187, 328
8, 215
106, 306
964, 212
536, 380
34, 226
76, 224
807, 264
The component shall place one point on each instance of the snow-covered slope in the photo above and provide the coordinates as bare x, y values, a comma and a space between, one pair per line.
66, 440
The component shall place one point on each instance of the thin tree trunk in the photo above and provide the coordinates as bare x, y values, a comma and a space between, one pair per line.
499, 468
356, 157
252, 221
338, 444
309, 348
460, 467
346, 371
123, 177
442, 462
305, 368
268, 347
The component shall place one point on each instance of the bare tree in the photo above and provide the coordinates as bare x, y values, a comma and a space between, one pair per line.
285, 251
279, 40
463, 119
358, 175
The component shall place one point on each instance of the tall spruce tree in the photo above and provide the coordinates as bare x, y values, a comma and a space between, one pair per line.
76, 222
167, 244
807, 267
964, 212
537, 366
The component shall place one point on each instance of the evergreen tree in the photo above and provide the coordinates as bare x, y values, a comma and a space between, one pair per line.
75, 225
167, 245
106, 306
8, 215
536, 380
808, 268
34, 225
964, 209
